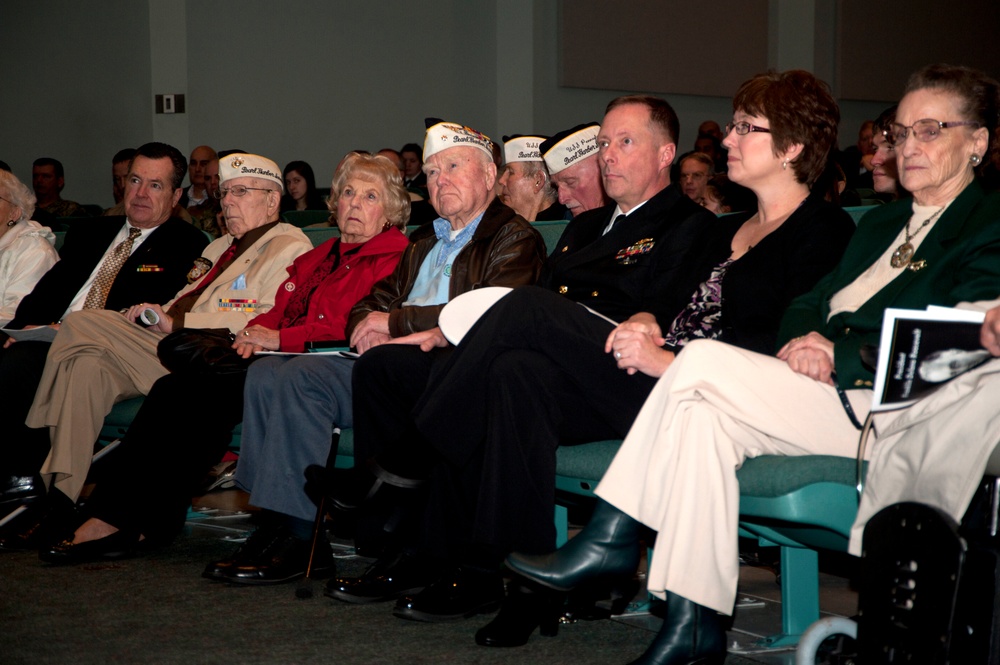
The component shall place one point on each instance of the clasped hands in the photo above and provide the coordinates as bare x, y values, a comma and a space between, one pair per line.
637, 346
811, 355
374, 330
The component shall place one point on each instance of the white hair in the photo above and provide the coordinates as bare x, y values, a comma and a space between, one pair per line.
17, 193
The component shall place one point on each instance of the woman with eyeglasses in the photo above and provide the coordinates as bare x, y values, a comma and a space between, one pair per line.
885, 177
718, 404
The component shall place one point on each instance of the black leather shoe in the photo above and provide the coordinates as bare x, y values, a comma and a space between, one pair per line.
42, 524
607, 547
251, 549
526, 607
347, 489
20, 490
386, 579
118, 545
461, 594
283, 559
691, 635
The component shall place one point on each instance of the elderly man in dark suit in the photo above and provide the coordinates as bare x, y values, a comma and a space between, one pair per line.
533, 373
110, 263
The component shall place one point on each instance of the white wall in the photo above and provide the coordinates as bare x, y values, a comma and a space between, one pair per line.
312, 80
302, 79
76, 86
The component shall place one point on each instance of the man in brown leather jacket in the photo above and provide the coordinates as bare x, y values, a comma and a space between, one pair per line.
477, 241
532, 372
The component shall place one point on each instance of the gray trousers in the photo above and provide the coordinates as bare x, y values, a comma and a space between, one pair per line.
291, 405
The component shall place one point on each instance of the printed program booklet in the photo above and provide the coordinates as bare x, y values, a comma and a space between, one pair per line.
922, 349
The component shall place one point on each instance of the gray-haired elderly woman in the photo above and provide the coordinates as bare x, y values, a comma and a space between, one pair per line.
26, 247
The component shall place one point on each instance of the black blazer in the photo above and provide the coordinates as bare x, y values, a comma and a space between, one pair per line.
786, 263
651, 262
155, 272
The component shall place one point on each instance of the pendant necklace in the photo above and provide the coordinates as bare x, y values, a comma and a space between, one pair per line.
901, 257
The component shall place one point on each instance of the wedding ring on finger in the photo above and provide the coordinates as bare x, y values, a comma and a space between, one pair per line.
618, 355
246, 333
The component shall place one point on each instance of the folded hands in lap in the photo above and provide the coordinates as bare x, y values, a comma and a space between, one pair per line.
812, 355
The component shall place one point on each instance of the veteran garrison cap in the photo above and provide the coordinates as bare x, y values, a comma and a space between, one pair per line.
442, 135
522, 148
570, 146
245, 165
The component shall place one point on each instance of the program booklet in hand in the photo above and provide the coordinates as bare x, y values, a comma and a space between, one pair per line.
36, 334
921, 350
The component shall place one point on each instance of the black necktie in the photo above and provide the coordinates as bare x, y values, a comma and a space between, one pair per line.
618, 220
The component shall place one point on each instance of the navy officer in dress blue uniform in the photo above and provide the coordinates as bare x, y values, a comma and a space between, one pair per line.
495, 412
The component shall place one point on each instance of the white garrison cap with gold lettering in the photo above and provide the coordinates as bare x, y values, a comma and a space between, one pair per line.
442, 135
570, 147
244, 165
522, 148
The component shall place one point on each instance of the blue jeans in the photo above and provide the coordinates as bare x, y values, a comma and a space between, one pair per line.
291, 405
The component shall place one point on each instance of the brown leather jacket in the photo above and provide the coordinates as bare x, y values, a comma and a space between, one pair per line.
504, 251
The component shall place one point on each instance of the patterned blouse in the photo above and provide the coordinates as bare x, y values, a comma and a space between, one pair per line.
699, 320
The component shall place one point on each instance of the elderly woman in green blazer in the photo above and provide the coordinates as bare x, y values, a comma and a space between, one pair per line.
717, 404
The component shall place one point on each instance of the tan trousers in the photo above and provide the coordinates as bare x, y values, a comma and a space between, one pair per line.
98, 358
934, 452
676, 470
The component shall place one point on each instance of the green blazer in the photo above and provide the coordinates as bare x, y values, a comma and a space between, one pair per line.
962, 263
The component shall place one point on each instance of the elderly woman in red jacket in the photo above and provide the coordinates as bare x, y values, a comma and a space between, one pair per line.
164, 455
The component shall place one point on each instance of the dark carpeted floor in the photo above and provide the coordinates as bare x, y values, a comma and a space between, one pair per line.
158, 609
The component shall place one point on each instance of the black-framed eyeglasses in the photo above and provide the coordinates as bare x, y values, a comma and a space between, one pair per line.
8, 201
743, 128
924, 130
238, 191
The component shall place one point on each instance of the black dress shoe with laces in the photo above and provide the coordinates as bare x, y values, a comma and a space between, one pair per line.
386, 579
251, 548
283, 558
462, 593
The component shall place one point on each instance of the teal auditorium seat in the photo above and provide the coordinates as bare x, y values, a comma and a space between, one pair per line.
857, 212
302, 218
320, 235
117, 422
551, 232
799, 504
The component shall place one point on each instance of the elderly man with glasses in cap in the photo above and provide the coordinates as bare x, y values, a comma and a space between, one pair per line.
101, 357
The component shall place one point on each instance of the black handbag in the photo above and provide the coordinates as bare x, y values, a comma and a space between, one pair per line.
201, 351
